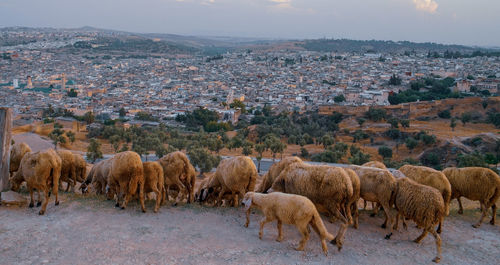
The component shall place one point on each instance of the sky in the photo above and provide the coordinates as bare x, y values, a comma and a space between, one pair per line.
468, 22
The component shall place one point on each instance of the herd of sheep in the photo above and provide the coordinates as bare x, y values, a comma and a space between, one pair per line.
291, 192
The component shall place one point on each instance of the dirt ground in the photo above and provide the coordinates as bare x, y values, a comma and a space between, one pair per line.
90, 230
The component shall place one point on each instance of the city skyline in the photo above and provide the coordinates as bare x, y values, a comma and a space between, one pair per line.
441, 21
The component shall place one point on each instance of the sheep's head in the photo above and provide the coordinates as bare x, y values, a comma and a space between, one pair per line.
204, 193
278, 185
247, 200
16, 181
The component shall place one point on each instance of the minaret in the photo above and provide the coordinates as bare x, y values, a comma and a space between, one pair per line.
30, 84
63, 79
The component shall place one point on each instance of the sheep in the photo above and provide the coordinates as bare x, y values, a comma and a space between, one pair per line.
328, 186
377, 185
68, 169
178, 171
422, 204
375, 164
98, 177
274, 171
16, 154
352, 209
289, 209
153, 181
40, 170
126, 177
477, 184
432, 178
236, 175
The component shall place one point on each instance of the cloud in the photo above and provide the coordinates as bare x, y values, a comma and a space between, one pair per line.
426, 5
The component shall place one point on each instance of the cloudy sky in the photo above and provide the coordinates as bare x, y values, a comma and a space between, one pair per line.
471, 22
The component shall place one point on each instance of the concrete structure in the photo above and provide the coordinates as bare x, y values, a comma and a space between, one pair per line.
5, 137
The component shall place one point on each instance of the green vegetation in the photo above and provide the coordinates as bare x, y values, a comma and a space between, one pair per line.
94, 150
434, 89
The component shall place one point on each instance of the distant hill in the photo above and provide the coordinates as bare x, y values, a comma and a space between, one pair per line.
173, 43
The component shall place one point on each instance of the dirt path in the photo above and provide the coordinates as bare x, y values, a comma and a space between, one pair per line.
91, 231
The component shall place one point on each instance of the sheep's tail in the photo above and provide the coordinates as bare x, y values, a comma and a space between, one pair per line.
252, 181
447, 198
496, 194
135, 175
318, 226
262, 188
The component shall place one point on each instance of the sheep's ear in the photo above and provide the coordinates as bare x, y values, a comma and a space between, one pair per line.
248, 203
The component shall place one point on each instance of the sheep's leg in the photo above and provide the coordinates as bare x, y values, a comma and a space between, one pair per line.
364, 204
32, 203
264, 221
493, 213
235, 199
484, 212
45, 200
437, 259
305, 236
460, 207
221, 193
321, 237
439, 227
396, 222
247, 217
167, 187
375, 208
55, 190
39, 199
355, 212
389, 217
73, 175
141, 196
67, 185
384, 225
422, 236
158, 199
280, 231
339, 238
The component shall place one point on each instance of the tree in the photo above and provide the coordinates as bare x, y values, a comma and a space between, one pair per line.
411, 143
71, 136
72, 93
57, 135
304, 153
94, 150
89, 117
339, 98
122, 112
445, 114
395, 80
359, 158
405, 123
430, 159
393, 122
124, 147
361, 121
237, 104
326, 140
247, 150
160, 151
466, 117
203, 159
260, 149
385, 152
115, 142
453, 123
471, 160
375, 114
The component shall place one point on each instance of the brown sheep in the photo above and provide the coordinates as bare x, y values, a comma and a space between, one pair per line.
377, 185
153, 181
432, 178
126, 177
97, 177
422, 204
236, 175
274, 171
68, 169
375, 164
178, 171
40, 170
477, 184
16, 154
328, 186
80, 168
289, 209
